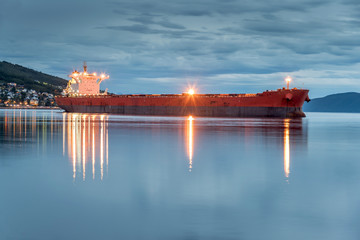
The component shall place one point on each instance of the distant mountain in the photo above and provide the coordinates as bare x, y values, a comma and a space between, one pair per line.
31, 79
341, 102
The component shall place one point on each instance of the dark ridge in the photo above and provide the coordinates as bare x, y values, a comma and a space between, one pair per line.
340, 102
30, 79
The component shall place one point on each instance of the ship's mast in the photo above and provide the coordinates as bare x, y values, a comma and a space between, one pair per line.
85, 66
288, 80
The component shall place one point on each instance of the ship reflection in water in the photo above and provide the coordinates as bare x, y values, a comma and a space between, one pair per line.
21, 126
267, 129
85, 141
85, 137
214, 177
178, 177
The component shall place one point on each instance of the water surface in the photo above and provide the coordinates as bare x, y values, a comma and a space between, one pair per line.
81, 176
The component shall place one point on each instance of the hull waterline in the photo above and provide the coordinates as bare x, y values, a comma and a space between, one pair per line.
282, 103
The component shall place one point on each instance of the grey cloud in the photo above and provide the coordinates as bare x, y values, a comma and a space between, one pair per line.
195, 13
345, 41
351, 2
210, 7
144, 29
304, 49
149, 20
168, 24
152, 39
275, 26
143, 19
136, 28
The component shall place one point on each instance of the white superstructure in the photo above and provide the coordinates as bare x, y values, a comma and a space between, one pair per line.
84, 83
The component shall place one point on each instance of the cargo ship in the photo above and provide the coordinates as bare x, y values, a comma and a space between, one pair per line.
83, 95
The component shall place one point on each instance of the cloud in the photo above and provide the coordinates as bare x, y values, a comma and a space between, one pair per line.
201, 8
149, 20
147, 45
144, 29
167, 24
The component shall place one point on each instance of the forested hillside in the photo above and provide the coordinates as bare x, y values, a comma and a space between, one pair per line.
30, 79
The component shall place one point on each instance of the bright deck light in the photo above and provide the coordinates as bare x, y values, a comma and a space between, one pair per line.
288, 80
191, 91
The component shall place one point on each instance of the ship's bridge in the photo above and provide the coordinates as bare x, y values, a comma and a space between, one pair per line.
84, 83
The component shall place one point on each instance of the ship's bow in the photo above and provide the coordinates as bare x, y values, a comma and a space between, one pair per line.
294, 100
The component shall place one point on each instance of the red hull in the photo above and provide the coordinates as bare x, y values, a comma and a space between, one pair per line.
280, 103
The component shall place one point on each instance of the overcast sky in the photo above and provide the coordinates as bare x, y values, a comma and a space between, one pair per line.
223, 46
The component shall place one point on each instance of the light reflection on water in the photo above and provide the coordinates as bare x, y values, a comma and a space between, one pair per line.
190, 139
78, 138
85, 140
85, 136
286, 148
172, 177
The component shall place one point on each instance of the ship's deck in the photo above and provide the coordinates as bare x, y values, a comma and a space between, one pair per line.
183, 94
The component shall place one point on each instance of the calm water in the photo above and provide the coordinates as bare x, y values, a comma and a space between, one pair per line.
71, 176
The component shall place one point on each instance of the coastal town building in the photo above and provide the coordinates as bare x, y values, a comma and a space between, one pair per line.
14, 94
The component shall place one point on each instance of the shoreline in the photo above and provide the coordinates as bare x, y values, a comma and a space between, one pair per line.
23, 107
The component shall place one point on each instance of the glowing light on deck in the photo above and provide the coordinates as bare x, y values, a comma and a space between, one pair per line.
191, 92
288, 79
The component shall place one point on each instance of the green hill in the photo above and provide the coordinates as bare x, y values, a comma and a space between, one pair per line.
31, 79
340, 102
